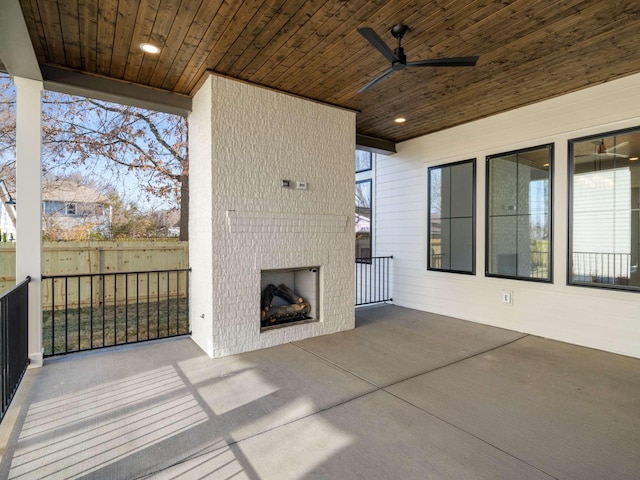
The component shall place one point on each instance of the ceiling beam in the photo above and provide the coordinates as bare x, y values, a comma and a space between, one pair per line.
17, 56
109, 90
375, 145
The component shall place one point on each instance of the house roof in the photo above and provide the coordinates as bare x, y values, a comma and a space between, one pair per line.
529, 50
70, 191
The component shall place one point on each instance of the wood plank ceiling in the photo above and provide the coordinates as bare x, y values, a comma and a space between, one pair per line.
529, 50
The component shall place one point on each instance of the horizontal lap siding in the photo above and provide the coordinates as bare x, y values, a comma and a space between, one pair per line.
608, 320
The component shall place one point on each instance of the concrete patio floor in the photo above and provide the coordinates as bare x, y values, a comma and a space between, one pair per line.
405, 395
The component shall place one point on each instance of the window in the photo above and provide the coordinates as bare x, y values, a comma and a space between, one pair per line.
363, 219
604, 218
70, 209
519, 222
451, 217
363, 161
52, 208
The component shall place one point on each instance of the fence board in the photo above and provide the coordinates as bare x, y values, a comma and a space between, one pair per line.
72, 258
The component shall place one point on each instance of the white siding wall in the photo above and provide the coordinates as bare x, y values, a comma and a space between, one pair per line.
608, 320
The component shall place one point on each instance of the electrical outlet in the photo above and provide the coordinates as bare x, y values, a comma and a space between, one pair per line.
507, 297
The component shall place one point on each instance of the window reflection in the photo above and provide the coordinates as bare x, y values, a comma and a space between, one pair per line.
519, 214
363, 161
363, 219
605, 210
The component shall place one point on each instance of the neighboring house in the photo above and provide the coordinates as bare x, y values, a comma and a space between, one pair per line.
7, 214
363, 219
67, 204
169, 223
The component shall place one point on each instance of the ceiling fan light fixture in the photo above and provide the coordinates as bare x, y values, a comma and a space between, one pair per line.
149, 48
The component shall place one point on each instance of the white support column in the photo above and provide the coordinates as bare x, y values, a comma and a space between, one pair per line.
29, 204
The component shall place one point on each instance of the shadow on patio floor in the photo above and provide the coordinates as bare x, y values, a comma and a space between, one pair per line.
406, 394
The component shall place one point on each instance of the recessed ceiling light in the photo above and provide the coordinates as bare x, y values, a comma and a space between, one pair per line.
400, 120
147, 47
633, 159
545, 165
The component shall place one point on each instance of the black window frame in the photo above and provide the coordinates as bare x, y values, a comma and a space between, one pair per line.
473, 162
487, 259
570, 169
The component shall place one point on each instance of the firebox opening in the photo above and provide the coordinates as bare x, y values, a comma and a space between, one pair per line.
288, 296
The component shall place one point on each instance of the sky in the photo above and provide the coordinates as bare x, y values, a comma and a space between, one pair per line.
129, 185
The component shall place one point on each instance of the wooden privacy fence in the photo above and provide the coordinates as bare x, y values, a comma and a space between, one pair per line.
61, 292
80, 258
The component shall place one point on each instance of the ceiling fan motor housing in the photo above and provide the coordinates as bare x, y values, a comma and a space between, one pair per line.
398, 31
401, 62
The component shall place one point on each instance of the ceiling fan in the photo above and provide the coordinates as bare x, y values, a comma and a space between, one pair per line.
399, 60
601, 150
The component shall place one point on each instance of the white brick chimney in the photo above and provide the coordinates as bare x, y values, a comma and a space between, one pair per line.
243, 141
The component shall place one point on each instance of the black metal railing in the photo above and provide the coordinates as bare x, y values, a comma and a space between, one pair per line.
596, 267
372, 280
90, 311
14, 338
538, 263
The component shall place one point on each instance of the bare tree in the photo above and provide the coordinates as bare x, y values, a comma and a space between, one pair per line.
110, 141
7, 118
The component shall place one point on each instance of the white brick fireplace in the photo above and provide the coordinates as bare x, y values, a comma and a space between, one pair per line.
243, 142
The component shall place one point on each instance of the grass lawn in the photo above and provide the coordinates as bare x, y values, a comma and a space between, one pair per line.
109, 325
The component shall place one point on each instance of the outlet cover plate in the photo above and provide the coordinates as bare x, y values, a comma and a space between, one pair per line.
507, 297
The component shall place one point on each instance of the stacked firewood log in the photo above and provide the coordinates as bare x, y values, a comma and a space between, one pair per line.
270, 315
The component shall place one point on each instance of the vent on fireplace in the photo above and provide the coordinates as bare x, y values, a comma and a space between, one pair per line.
289, 296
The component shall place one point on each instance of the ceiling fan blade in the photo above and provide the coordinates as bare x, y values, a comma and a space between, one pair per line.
618, 147
445, 62
600, 156
377, 42
384, 74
